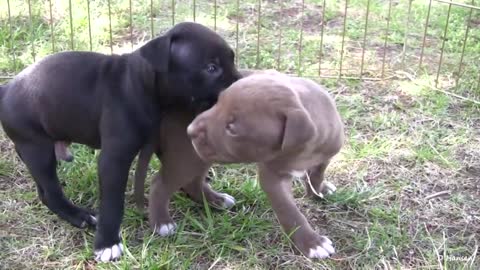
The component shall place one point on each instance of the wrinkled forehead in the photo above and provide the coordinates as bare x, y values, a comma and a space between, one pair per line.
239, 94
262, 89
245, 98
254, 96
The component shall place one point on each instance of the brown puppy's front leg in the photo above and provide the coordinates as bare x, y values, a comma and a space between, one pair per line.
278, 189
160, 194
179, 168
199, 188
173, 177
315, 180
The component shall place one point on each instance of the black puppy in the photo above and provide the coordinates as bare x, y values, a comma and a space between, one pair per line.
112, 103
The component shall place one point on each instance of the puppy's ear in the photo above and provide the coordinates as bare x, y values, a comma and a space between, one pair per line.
299, 128
157, 52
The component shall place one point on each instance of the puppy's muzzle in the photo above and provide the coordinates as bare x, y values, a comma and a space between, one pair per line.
192, 131
197, 133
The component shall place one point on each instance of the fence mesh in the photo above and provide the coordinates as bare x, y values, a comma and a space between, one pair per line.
350, 39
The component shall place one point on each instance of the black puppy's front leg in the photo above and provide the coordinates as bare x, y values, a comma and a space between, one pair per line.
114, 164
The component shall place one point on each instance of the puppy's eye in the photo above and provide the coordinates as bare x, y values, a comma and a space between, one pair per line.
211, 68
230, 130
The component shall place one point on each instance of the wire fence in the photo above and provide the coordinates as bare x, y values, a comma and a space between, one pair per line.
362, 39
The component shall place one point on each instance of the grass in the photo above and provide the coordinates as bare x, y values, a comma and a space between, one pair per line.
408, 175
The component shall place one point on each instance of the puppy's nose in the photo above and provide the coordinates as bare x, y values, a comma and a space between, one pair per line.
192, 130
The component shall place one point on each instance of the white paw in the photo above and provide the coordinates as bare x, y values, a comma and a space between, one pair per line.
323, 251
109, 254
228, 200
328, 188
166, 229
298, 174
94, 219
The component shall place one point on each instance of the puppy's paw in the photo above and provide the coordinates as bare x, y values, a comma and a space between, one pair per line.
228, 201
327, 188
166, 229
109, 254
313, 245
92, 220
322, 251
79, 217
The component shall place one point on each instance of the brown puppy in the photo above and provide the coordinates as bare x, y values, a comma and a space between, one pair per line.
286, 125
181, 169
174, 146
